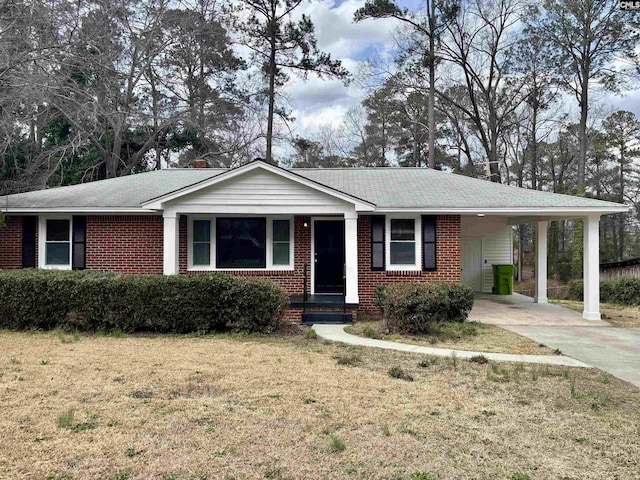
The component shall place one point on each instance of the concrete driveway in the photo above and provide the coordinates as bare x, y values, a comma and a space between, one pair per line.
614, 350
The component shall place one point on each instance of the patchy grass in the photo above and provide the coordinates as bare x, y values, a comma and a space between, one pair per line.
474, 336
616, 315
281, 407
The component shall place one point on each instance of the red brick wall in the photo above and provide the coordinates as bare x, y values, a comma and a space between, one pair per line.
11, 243
447, 258
290, 280
125, 244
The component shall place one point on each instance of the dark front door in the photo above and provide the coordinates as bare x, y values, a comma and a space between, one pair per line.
328, 247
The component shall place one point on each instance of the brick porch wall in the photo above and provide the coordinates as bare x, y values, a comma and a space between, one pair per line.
447, 257
11, 243
125, 244
290, 280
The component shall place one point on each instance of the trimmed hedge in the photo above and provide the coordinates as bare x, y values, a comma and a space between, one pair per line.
414, 307
92, 301
623, 291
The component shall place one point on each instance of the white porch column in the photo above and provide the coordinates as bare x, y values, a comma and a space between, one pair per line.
351, 256
541, 263
591, 268
170, 244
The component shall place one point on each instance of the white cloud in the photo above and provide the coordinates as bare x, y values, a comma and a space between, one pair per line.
317, 102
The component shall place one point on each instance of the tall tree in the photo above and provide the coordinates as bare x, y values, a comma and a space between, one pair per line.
429, 23
622, 133
281, 44
476, 46
586, 39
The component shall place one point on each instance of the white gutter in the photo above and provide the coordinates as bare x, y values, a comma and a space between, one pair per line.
502, 211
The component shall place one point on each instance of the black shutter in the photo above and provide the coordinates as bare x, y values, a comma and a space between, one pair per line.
79, 243
429, 223
377, 242
29, 242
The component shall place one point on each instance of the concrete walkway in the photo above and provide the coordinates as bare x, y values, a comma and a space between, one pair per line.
614, 350
336, 333
518, 309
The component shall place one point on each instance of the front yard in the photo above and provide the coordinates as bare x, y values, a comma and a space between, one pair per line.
176, 407
473, 336
616, 315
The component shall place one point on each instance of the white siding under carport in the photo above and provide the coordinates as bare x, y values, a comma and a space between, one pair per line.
496, 245
496, 249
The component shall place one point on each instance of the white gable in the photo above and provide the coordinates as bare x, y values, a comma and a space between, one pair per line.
259, 191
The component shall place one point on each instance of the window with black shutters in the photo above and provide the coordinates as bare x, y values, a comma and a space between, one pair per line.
377, 242
429, 243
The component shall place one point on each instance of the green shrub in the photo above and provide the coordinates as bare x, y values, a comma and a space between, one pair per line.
370, 332
398, 372
623, 291
415, 307
91, 301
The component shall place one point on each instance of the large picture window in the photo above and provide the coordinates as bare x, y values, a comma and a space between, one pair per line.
58, 242
241, 243
219, 243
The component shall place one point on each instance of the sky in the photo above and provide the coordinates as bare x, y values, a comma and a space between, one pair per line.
318, 102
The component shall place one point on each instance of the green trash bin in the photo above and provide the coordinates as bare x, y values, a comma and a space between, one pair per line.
503, 279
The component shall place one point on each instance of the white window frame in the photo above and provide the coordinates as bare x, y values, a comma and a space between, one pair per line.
417, 266
42, 242
268, 247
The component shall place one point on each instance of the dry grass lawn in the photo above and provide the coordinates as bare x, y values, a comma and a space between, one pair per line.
293, 408
616, 315
480, 337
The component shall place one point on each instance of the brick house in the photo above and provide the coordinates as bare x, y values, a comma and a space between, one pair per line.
335, 234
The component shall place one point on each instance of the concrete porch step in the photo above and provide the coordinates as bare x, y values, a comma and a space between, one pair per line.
327, 317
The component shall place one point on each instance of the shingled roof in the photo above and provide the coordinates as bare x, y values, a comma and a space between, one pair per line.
386, 188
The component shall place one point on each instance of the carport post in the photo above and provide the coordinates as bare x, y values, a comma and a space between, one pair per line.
591, 268
541, 263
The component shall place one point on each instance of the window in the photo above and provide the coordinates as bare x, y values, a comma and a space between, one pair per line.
377, 242
281, 242
402, 247
429, 243
201, 250
241, 243
57, 243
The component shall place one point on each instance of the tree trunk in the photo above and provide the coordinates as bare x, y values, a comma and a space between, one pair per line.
432, 84
621, 200
272, 83
582, 133
534, 147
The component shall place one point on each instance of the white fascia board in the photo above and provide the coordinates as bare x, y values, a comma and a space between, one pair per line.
107, 210
158, 203
502, 211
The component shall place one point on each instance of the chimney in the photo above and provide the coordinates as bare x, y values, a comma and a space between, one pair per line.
200, 163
